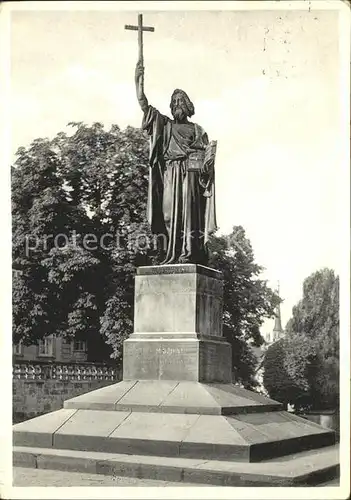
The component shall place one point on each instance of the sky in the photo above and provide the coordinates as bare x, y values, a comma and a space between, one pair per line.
265, 84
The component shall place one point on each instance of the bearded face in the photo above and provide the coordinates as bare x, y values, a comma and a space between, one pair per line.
179, 113
178, 107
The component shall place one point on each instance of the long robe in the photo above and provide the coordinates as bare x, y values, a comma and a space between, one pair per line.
177, 208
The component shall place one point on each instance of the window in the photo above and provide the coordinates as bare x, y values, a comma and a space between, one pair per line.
46, 347
80, 345
18, 349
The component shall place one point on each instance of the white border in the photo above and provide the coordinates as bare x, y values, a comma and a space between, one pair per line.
5, 256
185, 5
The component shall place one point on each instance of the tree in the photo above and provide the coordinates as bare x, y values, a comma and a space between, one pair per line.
289, 383
45, 293
247, 300
276, 380
311, 347
91, 186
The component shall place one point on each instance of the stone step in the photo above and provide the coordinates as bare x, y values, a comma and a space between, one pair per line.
167, 396
303, 469
248, 437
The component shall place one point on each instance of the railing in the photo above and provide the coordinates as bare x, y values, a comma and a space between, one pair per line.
64, 371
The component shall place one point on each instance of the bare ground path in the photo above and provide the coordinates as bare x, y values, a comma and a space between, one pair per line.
23, 476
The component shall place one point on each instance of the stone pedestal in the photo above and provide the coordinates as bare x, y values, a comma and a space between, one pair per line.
177, 326
178, 299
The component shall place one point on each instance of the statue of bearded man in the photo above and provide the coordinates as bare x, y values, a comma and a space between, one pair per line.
181, 199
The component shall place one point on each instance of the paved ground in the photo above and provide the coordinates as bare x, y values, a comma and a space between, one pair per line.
23, 476
43, 477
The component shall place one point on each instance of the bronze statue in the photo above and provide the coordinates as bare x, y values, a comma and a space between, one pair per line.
181, 199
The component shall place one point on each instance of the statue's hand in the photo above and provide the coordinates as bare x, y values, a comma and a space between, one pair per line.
139, 85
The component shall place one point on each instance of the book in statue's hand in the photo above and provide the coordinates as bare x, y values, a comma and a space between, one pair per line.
210, 154
208, 168
202, 160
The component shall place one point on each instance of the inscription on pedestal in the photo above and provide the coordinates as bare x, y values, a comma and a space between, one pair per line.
158, 360
169, 350
193, 360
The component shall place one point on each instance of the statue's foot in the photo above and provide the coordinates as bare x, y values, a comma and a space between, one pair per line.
185, 260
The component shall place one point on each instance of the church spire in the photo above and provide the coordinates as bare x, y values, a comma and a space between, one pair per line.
278, 331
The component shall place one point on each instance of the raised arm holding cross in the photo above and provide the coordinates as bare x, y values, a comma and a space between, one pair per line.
139, 72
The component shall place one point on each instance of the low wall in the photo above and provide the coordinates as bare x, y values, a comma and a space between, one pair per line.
35, 397
39, 389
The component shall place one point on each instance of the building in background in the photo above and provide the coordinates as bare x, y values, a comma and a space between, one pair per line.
278, 331
58, 349
269, 338
53, 349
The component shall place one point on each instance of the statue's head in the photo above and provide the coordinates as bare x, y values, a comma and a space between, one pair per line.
181, 106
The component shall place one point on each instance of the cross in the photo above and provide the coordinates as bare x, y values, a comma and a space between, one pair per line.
140, 28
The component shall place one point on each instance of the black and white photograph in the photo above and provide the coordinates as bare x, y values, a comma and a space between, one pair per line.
176, 246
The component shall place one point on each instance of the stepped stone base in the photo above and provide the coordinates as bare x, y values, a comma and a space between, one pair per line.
174, 397
201, 433
176, 415
184, 420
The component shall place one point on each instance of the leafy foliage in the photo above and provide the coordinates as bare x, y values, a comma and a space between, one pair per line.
308, 357
289, 383
90, 188
247, 300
